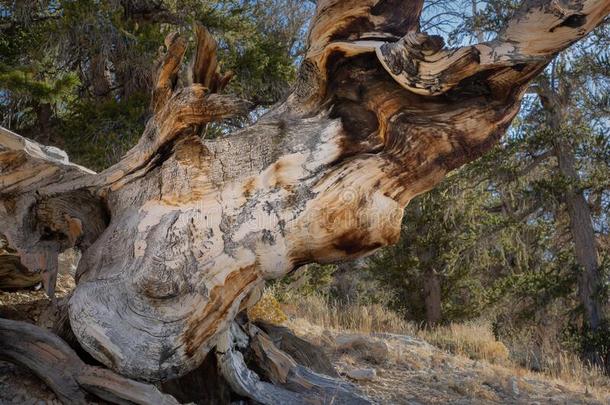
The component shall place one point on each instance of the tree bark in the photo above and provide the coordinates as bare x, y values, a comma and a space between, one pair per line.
180, 234
12, 273
578, 209
44, 117
432, 297
583, 237
99, 76
54, 362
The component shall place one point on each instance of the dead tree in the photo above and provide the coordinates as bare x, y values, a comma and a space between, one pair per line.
180, 235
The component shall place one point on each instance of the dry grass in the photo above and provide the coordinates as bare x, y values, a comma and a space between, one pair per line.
474, 340
357, 318
567, 367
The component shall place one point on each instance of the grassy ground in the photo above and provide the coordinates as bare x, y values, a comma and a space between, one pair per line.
474, 341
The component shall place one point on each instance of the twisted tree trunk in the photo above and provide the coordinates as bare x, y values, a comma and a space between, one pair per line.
180, 234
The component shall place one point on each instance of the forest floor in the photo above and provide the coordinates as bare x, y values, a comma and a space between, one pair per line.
407, 370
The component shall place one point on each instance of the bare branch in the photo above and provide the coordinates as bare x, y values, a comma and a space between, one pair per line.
168, 70
539, 30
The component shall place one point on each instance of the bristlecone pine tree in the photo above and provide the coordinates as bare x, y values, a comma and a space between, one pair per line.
180, 235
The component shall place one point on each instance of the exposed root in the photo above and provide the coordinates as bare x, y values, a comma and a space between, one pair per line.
55, 363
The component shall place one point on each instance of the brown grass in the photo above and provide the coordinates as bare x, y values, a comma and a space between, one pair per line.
473, 339
357, 318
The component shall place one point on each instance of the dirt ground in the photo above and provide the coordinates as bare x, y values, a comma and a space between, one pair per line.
425, 375
414, 372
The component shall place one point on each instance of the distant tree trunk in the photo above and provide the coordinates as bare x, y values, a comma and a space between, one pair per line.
432, 297
181, 234
480, 35
99, 77
579, 212
44, 116
583, 236
345, 282
426, 256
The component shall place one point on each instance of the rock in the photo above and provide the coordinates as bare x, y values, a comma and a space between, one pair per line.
369, 348
403, 339
362, 374
514, 386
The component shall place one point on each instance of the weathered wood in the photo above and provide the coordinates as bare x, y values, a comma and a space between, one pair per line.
179, 233
205, 64
55, 363
39, 227
290, 382
282, 370
244, 381
533, 36
13, 274
303, 352
45, 355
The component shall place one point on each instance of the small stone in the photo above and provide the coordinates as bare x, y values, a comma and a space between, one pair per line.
362, 374
370, 349
514, 386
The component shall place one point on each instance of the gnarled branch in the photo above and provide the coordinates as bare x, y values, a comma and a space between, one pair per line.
536, 33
